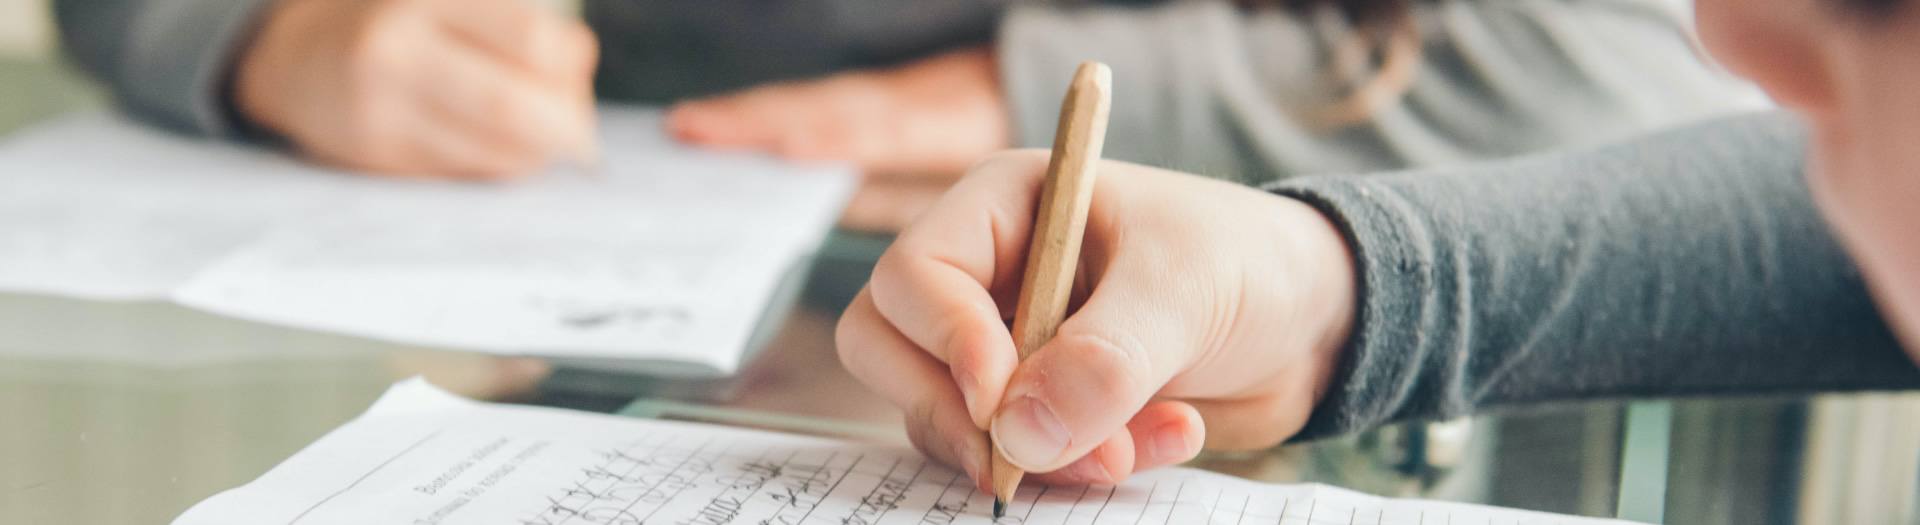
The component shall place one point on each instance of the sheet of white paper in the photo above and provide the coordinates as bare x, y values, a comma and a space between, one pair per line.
670, 254
424, 457
97, 207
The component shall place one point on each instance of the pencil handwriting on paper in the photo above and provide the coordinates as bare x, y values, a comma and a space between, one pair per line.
659, 321
424, 457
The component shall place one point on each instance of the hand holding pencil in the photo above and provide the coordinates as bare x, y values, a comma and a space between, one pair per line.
1198, 312
469, 89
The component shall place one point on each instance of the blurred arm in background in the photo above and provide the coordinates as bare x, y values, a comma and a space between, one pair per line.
475, 88
1242, 91
923, 89
461, 88
165, 60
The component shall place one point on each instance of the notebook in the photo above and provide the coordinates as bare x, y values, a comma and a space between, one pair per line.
422, 456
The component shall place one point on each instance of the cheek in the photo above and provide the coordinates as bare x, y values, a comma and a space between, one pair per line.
1868, 172
1719, 23
1875, 208
1769, 42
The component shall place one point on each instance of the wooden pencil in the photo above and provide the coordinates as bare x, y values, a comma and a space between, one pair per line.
1059, 223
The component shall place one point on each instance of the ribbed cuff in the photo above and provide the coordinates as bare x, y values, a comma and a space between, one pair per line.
178, 59
1380, 366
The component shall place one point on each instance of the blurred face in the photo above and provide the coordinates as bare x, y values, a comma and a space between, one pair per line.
1854, 73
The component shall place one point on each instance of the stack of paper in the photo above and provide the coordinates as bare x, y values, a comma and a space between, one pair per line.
668, 256
425, 457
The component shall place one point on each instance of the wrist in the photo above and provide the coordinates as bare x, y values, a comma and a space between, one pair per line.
1322, 255
258, 82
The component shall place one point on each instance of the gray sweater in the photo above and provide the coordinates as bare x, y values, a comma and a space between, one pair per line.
1202, 86
1688, 262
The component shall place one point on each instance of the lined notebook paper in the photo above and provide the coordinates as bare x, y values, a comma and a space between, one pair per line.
422, 456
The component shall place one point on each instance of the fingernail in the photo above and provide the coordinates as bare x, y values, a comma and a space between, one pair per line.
1170, 444
969, 390
1029, 434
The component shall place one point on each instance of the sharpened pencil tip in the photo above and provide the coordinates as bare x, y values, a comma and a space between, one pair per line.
999, 508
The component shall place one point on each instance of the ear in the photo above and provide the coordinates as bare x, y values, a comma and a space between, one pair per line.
1777, 44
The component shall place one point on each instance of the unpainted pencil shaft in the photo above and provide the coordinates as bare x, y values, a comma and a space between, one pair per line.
1059, 224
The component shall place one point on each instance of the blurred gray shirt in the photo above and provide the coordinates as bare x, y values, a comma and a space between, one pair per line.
1203, 86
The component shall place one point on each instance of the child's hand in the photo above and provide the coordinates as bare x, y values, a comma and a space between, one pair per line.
912, 129
455, 88
1196, 301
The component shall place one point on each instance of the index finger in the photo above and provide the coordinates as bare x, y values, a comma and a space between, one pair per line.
937, 284
506, 111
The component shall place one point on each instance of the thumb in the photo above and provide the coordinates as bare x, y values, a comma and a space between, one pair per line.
1082, 387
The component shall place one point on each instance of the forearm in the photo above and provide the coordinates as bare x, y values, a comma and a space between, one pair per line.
1690, 262
166, 61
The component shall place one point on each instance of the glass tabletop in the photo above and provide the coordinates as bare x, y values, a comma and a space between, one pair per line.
130, 412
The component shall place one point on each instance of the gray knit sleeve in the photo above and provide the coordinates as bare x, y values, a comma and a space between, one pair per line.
1689, 262
166, 61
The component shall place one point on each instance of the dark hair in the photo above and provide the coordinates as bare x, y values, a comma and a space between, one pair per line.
1866, 14
1361, 13
1365, 15
1873, 7
1384, 39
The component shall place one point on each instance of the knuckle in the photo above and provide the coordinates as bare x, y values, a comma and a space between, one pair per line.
1107, 365
374, 52
889, 273
590, 56
959, 354
581, 42
526, 34
846, 337
854, 336
893, 287
919, 419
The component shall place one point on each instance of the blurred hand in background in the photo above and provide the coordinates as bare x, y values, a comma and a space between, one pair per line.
490, 89
478, 89
912, 129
